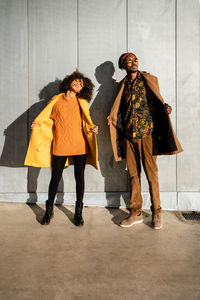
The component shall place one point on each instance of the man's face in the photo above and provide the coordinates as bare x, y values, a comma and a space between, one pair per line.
130, 63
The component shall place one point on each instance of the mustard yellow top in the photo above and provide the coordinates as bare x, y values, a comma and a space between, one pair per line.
68, 135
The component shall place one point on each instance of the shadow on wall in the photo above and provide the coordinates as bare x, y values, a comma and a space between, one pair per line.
115, 174
17, 134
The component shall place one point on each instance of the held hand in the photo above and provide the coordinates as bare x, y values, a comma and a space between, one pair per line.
109, 121
95, 129
167, 109
33, 125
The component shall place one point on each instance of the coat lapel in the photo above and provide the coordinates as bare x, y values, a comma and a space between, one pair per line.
152, 83
116, 105
113, 116
84, 107
92, 156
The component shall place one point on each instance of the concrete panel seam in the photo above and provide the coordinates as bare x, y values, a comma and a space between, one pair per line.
77, 34
127, 25
28, 85
176, 87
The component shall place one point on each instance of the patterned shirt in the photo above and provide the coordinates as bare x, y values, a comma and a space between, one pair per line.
137, 116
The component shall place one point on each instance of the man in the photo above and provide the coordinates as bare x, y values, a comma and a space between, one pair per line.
141, 129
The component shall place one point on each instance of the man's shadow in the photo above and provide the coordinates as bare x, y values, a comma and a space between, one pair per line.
115, 174
17, 135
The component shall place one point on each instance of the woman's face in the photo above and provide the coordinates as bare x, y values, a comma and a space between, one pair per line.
77, 85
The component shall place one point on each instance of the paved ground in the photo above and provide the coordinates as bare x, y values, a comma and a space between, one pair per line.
100, 260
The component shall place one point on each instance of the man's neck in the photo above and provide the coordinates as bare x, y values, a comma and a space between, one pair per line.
132, 76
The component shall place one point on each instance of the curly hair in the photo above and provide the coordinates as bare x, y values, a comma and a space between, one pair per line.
87, 90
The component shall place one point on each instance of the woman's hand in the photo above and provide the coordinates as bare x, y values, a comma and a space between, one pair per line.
33, 124
109, 120
167, 109
95, 129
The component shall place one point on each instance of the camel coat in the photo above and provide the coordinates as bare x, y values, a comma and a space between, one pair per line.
165, 141
39, 152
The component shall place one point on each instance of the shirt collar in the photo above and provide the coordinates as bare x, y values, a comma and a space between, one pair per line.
127, 79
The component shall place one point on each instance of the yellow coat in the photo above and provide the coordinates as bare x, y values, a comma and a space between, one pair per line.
40, 145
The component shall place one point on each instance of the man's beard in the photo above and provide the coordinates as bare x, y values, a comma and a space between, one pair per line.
132, 71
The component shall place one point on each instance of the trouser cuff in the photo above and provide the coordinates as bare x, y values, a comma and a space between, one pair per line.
135, 212
156, 211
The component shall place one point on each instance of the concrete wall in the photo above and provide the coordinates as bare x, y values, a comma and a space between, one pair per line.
43, 40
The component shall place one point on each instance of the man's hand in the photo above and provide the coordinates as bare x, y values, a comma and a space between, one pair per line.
33, 125
109, 121
167, 109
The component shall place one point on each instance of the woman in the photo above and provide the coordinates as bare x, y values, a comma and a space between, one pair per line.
63, 134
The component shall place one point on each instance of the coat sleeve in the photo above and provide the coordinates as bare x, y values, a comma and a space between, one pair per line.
44, 122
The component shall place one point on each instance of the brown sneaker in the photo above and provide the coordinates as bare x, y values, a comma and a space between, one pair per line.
157, 221
131, 220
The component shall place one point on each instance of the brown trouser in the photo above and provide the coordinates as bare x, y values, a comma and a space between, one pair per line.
136, 151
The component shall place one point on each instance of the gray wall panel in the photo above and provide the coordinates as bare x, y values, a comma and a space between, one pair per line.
151, 35
188, 90
102, 38
13, 105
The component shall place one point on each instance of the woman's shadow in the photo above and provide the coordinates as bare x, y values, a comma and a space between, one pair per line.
17, 135
115, 174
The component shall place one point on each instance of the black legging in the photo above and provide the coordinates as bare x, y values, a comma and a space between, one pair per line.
58, 165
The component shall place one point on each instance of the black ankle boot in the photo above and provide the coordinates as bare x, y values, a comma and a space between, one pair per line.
78, 219
48, 215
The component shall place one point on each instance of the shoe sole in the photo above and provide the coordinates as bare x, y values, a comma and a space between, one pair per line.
81, 224
136, 222
157, 228
47, 223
